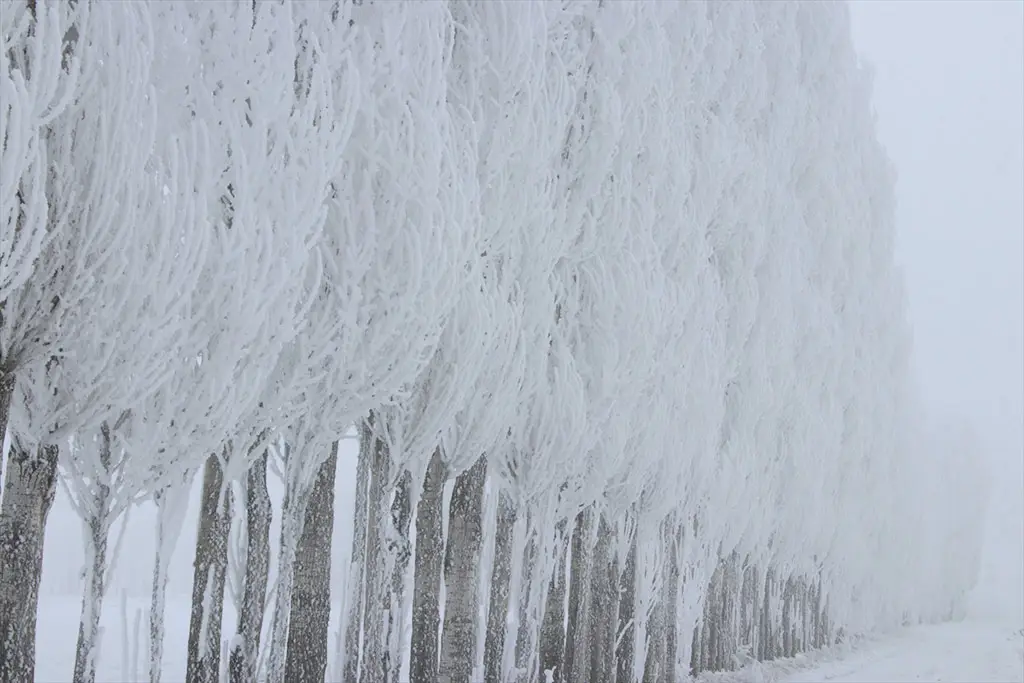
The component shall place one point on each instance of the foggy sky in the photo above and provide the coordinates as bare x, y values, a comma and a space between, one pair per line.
949, 95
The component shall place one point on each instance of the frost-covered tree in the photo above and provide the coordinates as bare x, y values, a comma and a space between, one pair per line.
112, 181
392, 261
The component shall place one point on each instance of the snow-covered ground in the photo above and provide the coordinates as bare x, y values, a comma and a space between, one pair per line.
968, 652
971, 651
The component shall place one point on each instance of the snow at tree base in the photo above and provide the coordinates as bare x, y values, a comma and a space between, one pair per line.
385, 341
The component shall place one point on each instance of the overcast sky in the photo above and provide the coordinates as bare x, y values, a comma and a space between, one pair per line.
949, 94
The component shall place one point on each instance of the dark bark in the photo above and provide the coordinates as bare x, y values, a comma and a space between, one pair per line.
657, 627
461, 569
210, 572
29, 488
577, 640
357, 564
552, 629
306, 659
604, 589
524, 649
428, 565
399, 548
625, 652
501, 579
377, 602
258, 514
671, 597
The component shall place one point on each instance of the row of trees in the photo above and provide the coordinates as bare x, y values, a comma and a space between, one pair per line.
625, 268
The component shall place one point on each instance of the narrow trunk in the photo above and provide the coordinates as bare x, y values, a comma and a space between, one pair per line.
501, 579
96, 557
552, 629
377, 605
461, 565
170, 509
657, 626
6, 392
293, 514
624, 652
28, 496
604, 591
524, 649
787, 623
399, 549
764, 631
258, 513
306, 658
429, 561
670, 591
577, 641
210, 571
357, 563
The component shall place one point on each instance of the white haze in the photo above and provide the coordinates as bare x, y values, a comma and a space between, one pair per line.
949, 94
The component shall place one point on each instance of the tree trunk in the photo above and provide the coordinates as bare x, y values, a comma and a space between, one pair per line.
258, 513
501, 579
524, 642
377, 604
28, 496
429, 561
357, 563
552, 629
399, 550
96, 566
6, 393
171, 503
671, 592
625, 653
577, 640
461, 567
306, 658
211, 561
787, 622
604, 591
655, 665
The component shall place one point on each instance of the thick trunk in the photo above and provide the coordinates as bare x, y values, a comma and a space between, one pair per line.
577, 634
357, 564
28, 496
501, 579
624, 651
377, 604
258, 512
461, 567
604, 591
399, 549
96, 559
210, 571
429, 562
306, 658
552, 629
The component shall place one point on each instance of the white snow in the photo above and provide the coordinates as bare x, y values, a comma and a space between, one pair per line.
965, 652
